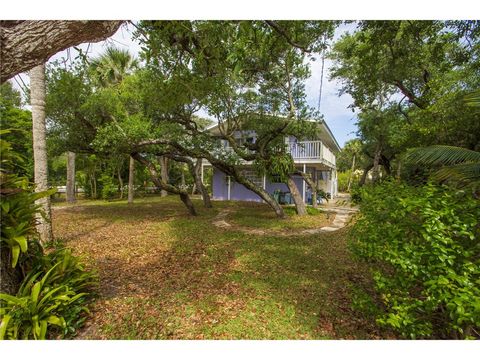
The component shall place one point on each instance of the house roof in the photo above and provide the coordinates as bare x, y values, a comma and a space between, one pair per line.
326, 135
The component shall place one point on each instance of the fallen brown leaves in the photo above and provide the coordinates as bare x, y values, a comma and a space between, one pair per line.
167, 275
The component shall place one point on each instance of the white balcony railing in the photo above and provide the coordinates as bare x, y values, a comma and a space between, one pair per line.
305, 150
311, 150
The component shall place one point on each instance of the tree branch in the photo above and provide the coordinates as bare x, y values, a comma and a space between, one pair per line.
26, 44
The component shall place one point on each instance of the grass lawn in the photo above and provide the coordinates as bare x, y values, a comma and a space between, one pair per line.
167, 275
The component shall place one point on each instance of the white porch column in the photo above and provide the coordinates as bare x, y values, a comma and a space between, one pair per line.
228, 190
332, 179
201, 173
303, 181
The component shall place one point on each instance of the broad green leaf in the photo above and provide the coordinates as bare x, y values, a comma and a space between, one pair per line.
15, 255
4, 326
22, 241
36, 291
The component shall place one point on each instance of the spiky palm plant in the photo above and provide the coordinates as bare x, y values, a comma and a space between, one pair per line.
456, 163
473, 99
111, 67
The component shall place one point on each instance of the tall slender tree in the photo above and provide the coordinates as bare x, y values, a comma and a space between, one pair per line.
37, 89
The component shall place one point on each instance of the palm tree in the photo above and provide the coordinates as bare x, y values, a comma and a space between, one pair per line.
37, 90
111, 67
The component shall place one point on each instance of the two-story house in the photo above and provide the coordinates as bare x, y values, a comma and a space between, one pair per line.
315, 156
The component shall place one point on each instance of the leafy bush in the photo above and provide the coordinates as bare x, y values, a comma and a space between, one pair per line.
422, 244
54, 293
18, 208
343, 178
109, 189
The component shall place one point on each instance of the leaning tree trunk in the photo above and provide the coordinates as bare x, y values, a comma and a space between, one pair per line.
195, 171
164, 172
37, 94
364, 175
308, 179
70, 192
297, 198
131, 179
199, 184
158, 181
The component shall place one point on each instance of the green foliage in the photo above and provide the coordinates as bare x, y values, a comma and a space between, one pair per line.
342, 178
19, 122
109, 189
277, 168
18, 208
51, 300
422, 245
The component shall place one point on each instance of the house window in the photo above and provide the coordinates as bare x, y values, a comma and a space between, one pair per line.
253, 177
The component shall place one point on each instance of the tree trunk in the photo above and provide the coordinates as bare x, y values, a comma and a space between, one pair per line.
10, 277
376, 163
164, 172
94, 185
25, 44
120, 181
297, 197
158, 181
70, 177
37, 90
182, 178
131, 179
364, 175
199, 184
399, 170
311, 184
350, 178
195, 171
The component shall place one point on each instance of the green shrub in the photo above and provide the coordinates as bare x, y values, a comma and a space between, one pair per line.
17, 207
53, 294
343, 178
108, 188
422, 244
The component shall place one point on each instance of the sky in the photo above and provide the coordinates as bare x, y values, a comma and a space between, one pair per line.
340, 119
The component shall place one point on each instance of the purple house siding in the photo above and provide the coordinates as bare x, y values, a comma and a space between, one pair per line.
240, 192
219, 185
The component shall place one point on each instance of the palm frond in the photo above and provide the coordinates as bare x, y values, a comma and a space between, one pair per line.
473, 99
463, 173
442, 155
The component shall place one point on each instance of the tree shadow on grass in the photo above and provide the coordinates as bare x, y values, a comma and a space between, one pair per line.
167, 275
